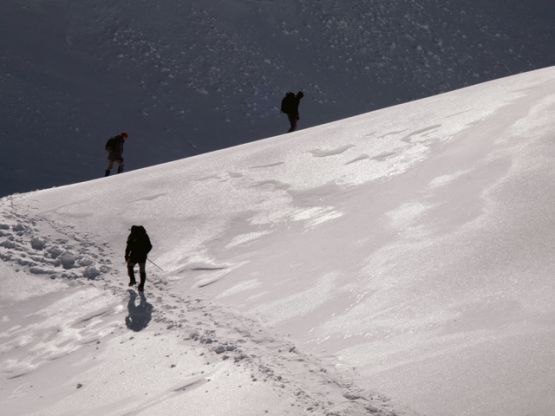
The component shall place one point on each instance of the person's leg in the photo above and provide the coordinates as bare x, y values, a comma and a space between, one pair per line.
293, 122
131, 273
109, 168
120, 166
142, 271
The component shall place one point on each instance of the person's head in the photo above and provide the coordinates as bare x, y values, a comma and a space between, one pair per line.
137, 229
300, 94
124, 135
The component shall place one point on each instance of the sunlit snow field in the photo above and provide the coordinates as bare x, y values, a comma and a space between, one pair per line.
398, 262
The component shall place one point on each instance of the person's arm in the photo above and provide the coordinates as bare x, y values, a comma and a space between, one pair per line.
127, 249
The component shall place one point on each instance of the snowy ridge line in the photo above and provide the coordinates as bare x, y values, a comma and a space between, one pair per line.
310, 384
200, 68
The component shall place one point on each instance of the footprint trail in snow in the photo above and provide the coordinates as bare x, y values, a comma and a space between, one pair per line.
42, 247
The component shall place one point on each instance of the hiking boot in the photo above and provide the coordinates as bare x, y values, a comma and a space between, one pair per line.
140, 288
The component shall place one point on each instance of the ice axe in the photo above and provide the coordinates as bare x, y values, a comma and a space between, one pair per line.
156, 265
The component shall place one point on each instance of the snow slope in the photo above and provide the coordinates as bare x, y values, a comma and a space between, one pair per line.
400, 259
189, 76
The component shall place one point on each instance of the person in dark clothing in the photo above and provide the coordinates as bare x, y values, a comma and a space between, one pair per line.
290, 106
114, 147
136, 251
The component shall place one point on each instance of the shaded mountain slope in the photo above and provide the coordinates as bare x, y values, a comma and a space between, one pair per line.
186, 77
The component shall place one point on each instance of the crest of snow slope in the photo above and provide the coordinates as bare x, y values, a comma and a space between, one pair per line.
412, 244
176, 73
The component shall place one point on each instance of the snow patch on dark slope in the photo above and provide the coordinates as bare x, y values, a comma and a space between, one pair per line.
178, 74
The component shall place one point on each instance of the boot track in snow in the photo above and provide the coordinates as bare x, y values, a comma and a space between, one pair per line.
63, 252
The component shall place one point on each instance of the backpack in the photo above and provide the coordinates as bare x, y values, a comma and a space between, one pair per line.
138, 233
286, 102
111, 144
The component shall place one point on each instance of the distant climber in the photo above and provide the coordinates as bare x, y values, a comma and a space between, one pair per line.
136, 251
114, 147
290, 106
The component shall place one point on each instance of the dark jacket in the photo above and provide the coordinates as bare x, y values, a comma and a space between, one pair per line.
114, 146
290, 103
138, 245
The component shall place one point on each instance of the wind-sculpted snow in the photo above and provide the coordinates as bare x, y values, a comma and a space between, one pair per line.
88, 314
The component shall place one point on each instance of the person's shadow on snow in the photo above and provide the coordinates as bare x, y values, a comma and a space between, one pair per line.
138, 316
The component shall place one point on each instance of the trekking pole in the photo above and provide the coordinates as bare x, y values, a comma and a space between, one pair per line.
156, 265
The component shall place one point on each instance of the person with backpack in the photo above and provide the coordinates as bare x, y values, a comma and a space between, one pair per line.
114, 147
136, 251
290, 106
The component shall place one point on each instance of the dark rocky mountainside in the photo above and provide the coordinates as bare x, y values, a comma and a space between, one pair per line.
187, 76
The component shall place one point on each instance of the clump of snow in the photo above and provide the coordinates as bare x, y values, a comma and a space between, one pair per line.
91, 272
68, 260
85, 262
220, 349
54, 251
39, 270
19, 228
24, 262
8, 244
38, 243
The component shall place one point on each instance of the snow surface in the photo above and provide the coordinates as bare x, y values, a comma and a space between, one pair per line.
394, 263
188, 76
